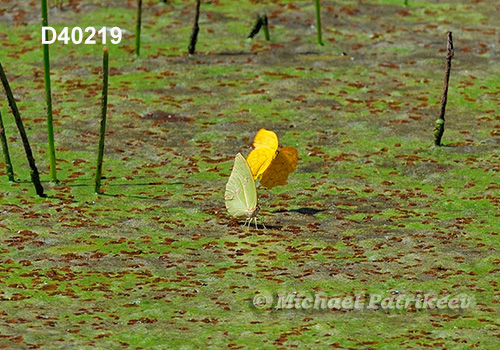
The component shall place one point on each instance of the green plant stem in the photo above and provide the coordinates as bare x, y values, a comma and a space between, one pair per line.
318, 21
5, 148
48, 98
196, 29
438, 131
439, 128
138, 28
265, 27
104, 107
35, 176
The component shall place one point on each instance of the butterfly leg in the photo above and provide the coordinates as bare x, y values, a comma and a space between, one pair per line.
247, 221
256, 224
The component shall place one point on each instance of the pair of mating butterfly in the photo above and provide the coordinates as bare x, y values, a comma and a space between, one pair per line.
266, 161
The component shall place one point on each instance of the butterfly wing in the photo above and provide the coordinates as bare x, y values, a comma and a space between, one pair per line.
241, 194
260, 159
265, 144
266, 138
279, 169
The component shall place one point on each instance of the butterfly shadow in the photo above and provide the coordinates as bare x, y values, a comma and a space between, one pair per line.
303, 211
260, 225
263, 226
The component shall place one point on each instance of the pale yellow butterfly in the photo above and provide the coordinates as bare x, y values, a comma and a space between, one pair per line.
241, 194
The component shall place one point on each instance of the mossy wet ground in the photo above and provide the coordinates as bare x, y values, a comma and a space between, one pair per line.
373, 208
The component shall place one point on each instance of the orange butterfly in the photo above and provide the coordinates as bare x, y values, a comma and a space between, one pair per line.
266, 161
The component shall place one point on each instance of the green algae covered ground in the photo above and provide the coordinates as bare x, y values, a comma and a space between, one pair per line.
155, 262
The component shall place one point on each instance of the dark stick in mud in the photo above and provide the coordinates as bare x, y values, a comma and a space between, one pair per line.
196, 29
138, 28
5, 149
260, 22
439, 128
48, 97
256, 27
104, 107
35, 176
318, 21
